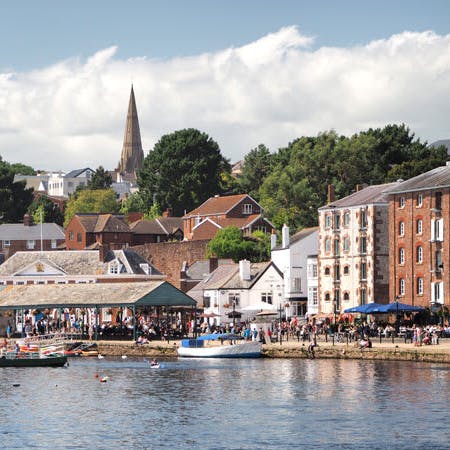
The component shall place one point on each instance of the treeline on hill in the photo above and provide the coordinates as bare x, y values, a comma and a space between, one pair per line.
186, 167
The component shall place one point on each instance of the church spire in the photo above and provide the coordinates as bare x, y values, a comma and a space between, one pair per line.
132, 153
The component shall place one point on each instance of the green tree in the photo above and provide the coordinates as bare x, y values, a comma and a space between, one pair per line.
91, 201
14, 197
257, 166
51, 213
22, 169
182, 171
229, 243
100, 179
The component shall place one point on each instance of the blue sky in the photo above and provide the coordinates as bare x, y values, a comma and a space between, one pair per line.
245, 72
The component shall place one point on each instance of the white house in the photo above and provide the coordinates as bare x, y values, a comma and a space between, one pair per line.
313, 285
61, 185
242, 290
291, 259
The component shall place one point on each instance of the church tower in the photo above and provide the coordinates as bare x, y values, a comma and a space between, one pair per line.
132, 153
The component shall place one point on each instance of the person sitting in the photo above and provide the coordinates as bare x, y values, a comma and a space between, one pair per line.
154, 362
365, 343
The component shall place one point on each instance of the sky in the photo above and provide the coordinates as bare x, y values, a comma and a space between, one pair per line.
245, 72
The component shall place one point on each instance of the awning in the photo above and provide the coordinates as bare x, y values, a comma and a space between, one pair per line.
150, 293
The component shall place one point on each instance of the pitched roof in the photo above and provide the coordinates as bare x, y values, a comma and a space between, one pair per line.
77, 172
435, 178
217, 205
150, 293
161, 225
256, 271
20, 232
302, 234
77, 262
369, 195
240, 222
98, 223
199, 270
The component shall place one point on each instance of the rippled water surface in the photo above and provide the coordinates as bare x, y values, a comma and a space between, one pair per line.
226, 404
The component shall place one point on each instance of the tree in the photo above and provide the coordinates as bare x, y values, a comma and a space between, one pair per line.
100, 179
91, 201
51, 213
22, 169
14, 197
182, 171
257, 166
229, 243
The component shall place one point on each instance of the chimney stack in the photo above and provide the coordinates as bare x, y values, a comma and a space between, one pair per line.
167, 212
27, 220
273, 240
244, 270
330, 193
285, 236
213, 264
102, 252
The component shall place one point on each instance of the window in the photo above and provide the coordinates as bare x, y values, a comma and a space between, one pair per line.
71, 236
437, 292
337, 273
346, 296
419, 286
346, 244
266, 297
363, 218
346, 270
401, 286
79, 238
402, 202
363, 245
419, 200
401, 256
327, 271
438, 200
363, 296
312, 270
327, 245
337, 221
6, 243
363, 271
346, 218
437, 229
401, 228
419, 226
327, 221
297, 284
336, 247
337, 299
438, 261
30, 244
312, 295
419, 254
236, 299
247, 208
114, 267
54, 243
327, 297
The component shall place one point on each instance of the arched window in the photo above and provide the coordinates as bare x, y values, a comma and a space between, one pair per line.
419, 254
419, 226
401, 286
401, 256
327, 271
327, 297
419, 286
401, 228
346, 296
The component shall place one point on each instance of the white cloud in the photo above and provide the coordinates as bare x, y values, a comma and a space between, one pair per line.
72, 114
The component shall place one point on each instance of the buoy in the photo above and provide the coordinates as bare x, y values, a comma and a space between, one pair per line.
124, 356
100, 356
104, 379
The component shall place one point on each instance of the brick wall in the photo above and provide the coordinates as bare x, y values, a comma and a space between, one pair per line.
168, 257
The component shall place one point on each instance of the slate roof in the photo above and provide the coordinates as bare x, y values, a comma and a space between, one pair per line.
199, 270
77, 262
217, 205
20, 232
77, 172
256, 271
372, 194
302, 234
161, 225
435, 178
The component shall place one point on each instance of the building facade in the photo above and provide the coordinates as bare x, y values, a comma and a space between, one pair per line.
419, 214
353, 255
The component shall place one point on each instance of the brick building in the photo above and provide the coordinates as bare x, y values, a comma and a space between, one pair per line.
353, 255
220, 212
15, 237
419, 215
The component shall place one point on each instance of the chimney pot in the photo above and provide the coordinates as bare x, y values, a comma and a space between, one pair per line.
330, 193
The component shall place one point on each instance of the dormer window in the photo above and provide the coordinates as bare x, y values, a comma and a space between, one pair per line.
114, 267
247, 208
146, 268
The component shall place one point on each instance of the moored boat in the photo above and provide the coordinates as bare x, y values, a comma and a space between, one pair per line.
231, 346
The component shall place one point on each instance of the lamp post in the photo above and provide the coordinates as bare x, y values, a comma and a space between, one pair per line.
234, 310
397, 321
281, 310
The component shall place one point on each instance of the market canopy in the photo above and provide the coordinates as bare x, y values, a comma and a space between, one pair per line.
400, 307
368, 308
89, 295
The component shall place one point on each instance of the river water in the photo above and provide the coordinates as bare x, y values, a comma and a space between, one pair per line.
226, 404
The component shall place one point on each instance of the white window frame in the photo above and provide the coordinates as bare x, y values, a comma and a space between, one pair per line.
419, 200
419, 254
266, 297
419, 226
54, 243
402, 202
401, 228
401, 286
31, 244
247, 208
313, 296
6, 243
419, 286
401, 256
327, 220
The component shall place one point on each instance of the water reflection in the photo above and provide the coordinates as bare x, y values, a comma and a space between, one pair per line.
226, 404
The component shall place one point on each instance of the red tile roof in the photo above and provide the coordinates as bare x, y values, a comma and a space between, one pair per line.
217, 205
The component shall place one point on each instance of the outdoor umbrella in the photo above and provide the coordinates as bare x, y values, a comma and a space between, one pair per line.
396, 307
369, 308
